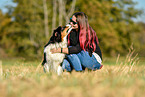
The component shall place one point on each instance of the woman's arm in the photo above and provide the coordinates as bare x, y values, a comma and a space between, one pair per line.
59, 50
71, 50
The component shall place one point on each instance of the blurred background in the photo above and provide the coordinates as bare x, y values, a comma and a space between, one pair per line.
26, 25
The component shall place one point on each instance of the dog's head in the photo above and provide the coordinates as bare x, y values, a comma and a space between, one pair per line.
56, 37
66, 30
60, 33
57, 34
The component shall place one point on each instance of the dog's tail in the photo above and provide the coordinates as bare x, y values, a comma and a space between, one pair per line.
39, 66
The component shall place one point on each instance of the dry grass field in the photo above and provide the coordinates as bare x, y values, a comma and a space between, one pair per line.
20, 78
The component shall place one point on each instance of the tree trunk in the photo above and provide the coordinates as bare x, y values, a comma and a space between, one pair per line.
71, 11
54, 14
60, 11
45, 18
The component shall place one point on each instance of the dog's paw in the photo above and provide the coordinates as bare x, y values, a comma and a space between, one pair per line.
59, 70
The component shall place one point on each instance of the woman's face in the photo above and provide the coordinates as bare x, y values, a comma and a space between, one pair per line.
73, 22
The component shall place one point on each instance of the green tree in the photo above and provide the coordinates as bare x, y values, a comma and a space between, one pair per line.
139, 40
31, 19
5, 21
27, 28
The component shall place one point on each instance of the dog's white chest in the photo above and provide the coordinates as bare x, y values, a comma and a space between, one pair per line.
55, 56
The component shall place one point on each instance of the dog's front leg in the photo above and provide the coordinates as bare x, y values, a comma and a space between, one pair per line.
59, 70
46, 68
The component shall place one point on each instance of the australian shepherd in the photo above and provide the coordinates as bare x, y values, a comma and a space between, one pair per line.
52, 62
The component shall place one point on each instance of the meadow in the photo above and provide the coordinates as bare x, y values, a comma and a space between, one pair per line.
120, 77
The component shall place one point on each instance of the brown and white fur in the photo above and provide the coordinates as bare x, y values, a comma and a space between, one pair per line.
53, 61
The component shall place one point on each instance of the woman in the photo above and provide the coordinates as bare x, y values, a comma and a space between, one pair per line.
83, 49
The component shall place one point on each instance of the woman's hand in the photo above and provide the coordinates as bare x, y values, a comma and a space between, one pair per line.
55, 50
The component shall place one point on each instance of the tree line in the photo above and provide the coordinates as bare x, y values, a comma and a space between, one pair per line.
26, 28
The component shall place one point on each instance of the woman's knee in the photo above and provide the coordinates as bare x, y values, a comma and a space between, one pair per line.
75, 62
88, 61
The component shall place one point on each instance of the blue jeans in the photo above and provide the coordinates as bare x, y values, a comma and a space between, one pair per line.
77, 61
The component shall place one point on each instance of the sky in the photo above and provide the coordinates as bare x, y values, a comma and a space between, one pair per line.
4, 3
140, 5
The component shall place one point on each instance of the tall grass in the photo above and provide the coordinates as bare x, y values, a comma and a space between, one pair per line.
1, 70
126, 65
27, 79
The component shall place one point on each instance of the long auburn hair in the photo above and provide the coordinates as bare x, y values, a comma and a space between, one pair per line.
87, 36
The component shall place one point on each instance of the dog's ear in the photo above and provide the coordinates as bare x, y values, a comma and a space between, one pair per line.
58, 29
55, 34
